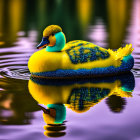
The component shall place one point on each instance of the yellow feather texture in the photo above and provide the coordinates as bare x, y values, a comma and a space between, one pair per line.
121, 53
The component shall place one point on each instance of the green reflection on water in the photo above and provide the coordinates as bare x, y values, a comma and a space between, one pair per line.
75, 17
16, 101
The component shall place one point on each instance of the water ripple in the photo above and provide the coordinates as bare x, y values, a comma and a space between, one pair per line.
14, 59
16, 73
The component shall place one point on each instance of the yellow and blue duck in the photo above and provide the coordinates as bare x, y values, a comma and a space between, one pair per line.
76, 58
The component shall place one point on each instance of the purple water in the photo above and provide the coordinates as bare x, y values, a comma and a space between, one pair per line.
107, 24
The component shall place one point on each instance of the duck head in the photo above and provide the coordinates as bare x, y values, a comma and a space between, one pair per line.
54, 113
53, 38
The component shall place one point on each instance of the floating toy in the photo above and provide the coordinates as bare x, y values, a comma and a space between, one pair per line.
76, 58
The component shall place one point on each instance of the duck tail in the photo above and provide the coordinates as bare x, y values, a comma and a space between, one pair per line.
121, 53
125, 51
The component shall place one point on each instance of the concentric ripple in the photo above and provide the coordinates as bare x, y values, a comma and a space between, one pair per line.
20, 73
14, 59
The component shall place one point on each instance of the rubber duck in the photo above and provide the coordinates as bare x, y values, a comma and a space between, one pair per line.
76, 58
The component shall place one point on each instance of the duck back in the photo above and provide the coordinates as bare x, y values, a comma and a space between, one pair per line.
83, 51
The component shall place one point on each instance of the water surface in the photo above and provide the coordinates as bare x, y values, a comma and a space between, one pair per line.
107, 24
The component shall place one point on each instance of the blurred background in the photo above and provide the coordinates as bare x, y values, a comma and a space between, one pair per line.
107, 23
102, 22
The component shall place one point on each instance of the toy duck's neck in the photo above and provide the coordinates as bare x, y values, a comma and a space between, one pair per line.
60, 43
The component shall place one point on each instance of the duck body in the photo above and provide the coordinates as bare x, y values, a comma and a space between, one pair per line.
79, 59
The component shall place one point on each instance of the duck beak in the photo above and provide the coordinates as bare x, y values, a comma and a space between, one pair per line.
44, 109
44, 42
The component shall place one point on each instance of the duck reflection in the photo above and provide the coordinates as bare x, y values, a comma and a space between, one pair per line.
53, 96
54, 116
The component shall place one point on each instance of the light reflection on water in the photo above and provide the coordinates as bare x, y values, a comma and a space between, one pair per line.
18, 41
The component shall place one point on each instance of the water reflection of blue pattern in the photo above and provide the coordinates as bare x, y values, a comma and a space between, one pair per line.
90, 94
127, 80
